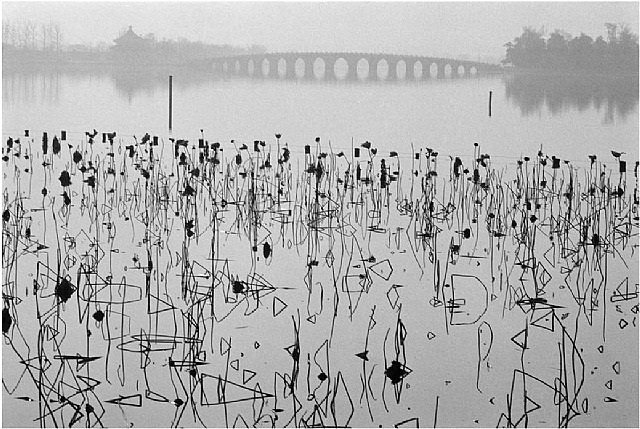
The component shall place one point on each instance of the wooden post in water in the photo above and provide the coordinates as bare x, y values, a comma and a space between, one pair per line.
170, 100
490, 94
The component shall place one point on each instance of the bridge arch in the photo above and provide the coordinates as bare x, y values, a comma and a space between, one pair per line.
282, 68
461, 70
251, 67
401, 70
341, 69
473, 70
382, 69
433, 70
418, 70
363, 68
265, 67
319, 68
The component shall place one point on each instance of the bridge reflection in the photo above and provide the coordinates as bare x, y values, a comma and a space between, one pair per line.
346, 66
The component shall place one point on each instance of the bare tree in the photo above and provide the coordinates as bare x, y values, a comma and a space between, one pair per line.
6, 32
32, 30
50, 34
56, 33
14, 35
44, 36
24, 35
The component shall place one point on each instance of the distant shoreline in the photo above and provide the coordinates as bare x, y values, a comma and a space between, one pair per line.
65, 60
78, 61
62, 63
567, 73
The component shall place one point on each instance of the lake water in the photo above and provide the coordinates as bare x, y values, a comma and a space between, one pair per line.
569, 116
330, 284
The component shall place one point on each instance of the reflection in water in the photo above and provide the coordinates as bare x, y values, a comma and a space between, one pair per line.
558, 93
132, 81
39, 87
42, 86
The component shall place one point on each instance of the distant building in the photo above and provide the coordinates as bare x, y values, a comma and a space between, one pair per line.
132, 49
130, 42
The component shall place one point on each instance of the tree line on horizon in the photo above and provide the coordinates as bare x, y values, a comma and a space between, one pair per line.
33, 38
560, 51
30, 35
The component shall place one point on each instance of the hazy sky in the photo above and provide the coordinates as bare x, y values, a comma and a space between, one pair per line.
442, 29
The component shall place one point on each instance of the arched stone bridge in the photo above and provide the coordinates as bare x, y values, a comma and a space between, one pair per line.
347, 65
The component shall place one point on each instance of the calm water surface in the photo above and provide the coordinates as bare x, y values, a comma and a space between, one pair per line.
352, 301
566, 116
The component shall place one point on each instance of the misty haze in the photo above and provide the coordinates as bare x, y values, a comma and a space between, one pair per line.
320, 214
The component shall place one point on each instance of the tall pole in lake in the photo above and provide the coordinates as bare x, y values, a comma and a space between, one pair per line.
170, 100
